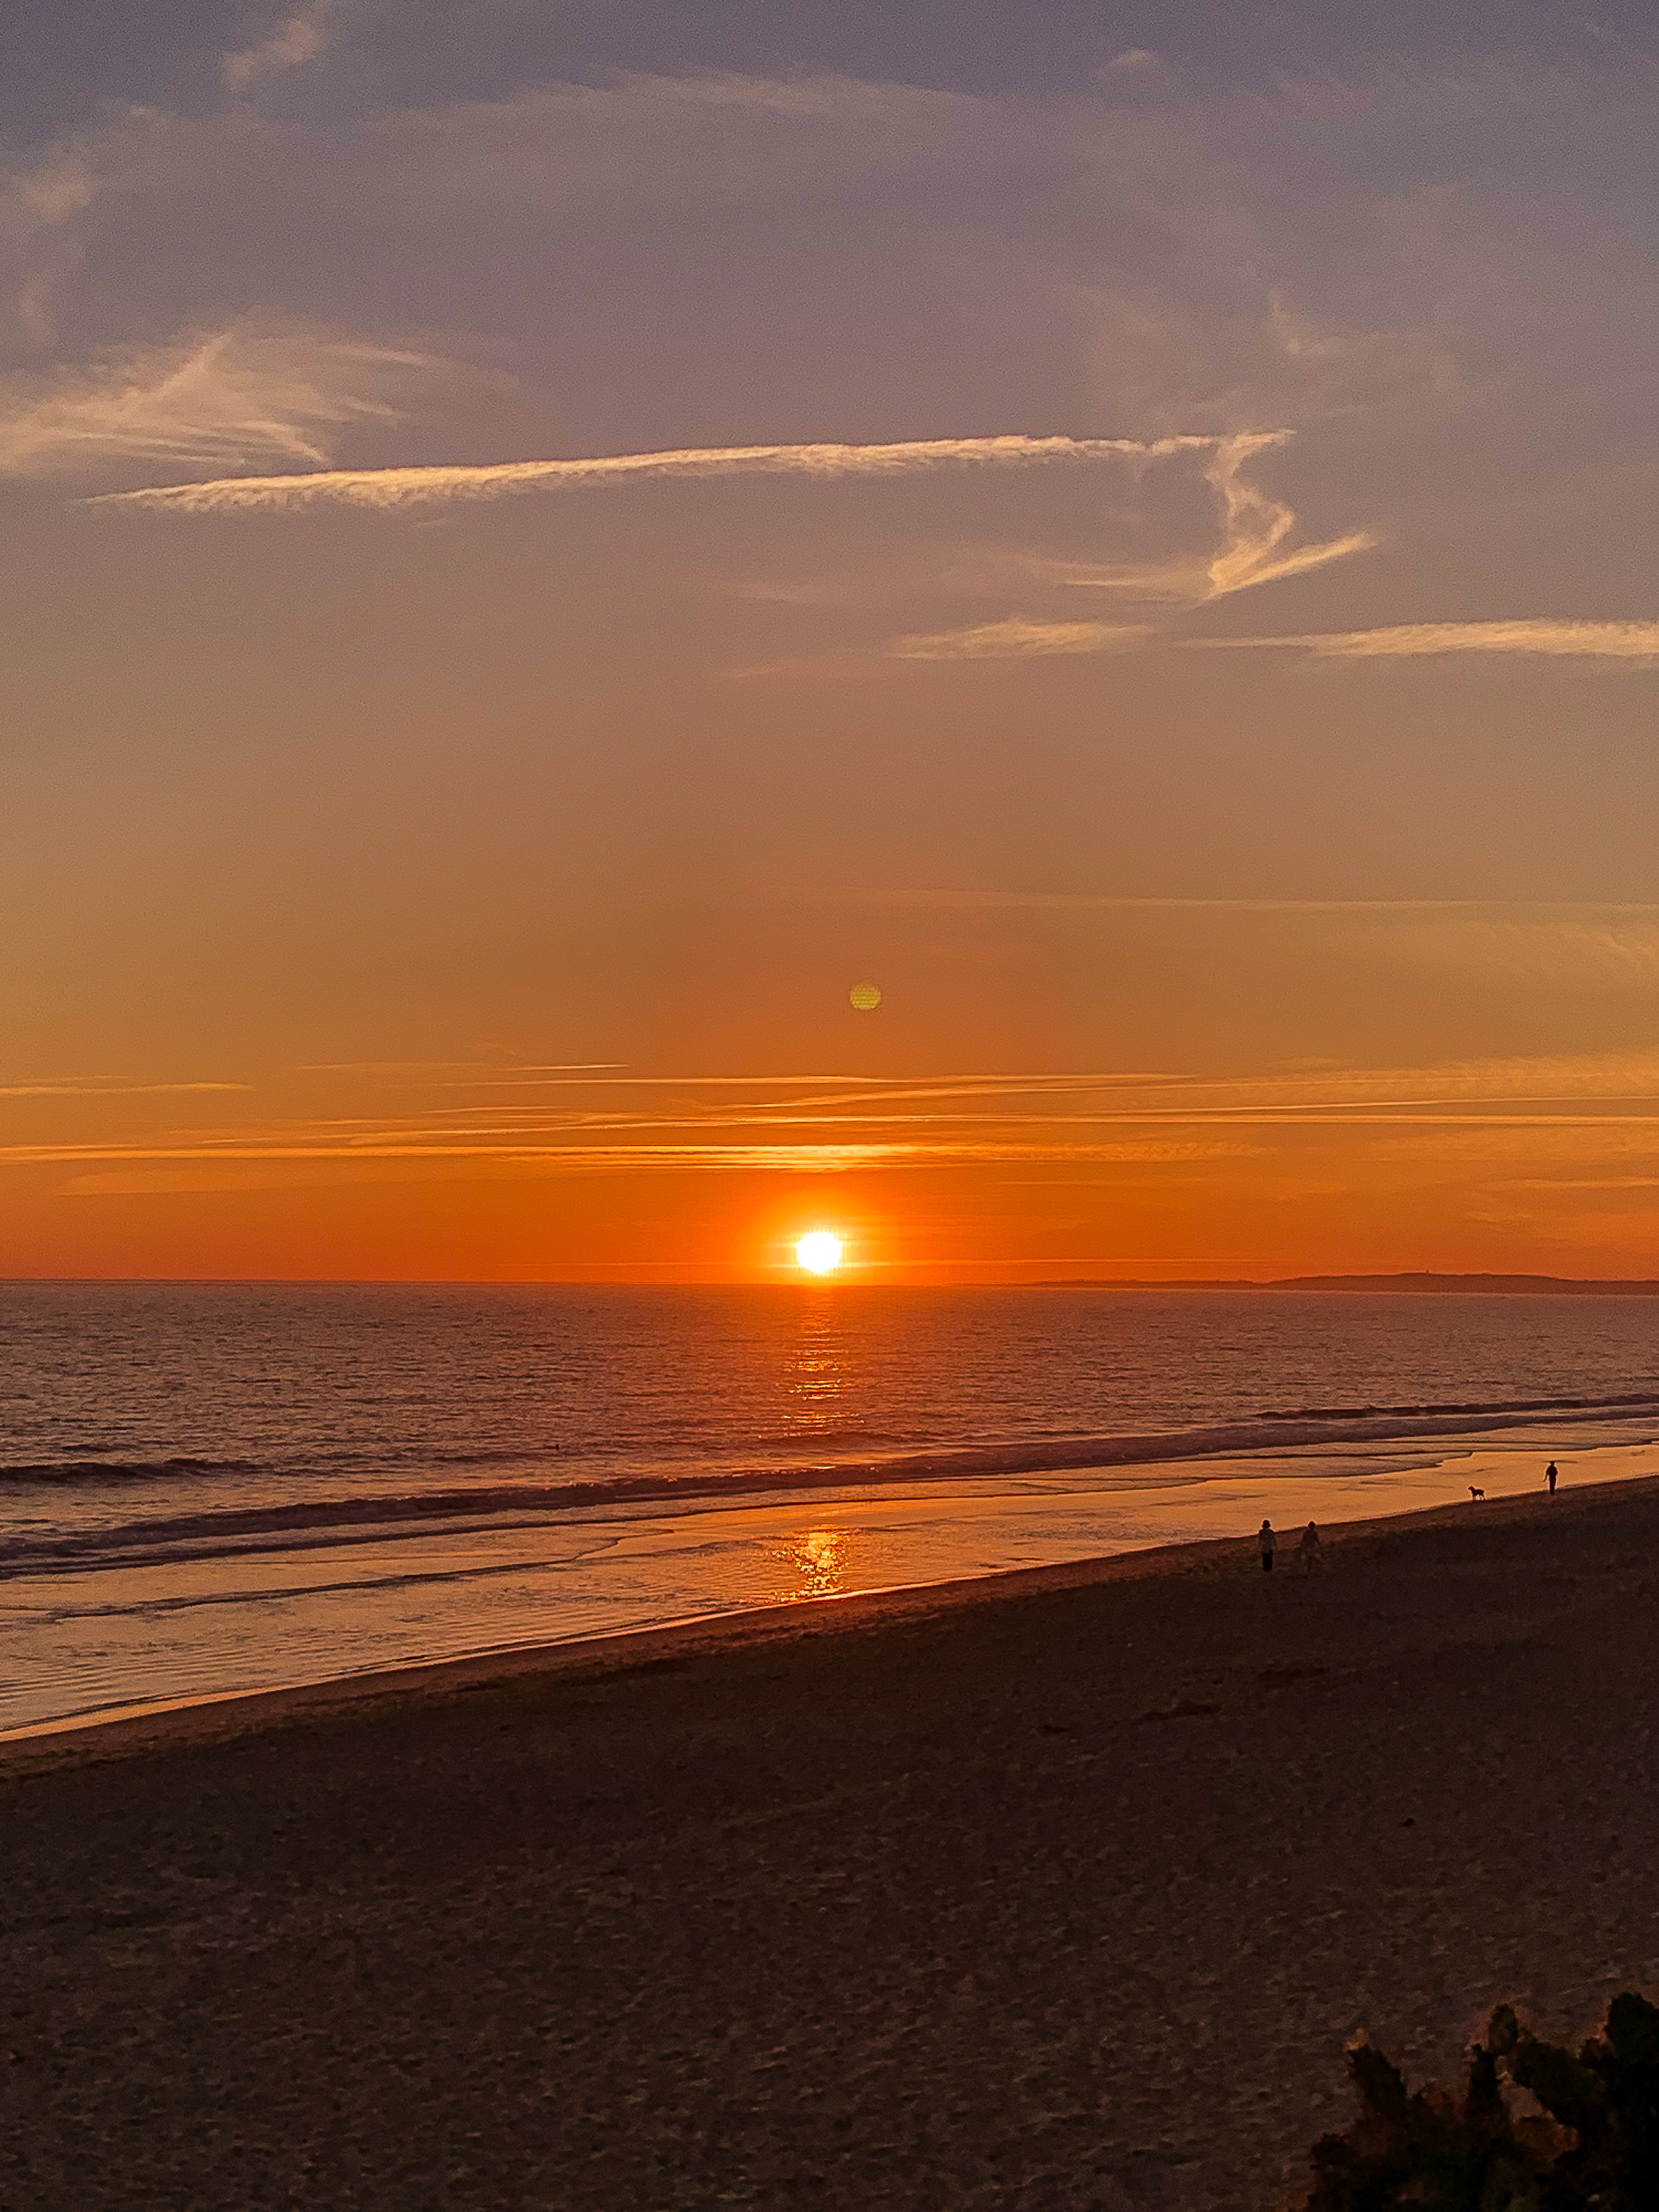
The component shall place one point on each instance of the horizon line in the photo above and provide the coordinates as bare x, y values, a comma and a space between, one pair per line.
857, 1277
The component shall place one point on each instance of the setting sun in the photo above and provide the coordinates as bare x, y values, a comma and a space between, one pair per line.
819, 1252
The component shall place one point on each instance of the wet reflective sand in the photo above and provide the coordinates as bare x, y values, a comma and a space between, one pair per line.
223, 1619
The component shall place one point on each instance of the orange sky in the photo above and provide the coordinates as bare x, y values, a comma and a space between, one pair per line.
1135, 538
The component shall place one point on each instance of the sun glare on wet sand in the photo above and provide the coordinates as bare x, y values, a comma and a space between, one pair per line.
819, 1252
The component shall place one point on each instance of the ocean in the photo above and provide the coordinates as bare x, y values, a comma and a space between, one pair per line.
208, 1489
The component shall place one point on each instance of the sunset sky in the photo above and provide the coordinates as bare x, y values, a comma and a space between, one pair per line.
546, 543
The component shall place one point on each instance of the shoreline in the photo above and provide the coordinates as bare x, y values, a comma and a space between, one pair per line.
139, 1633
219, 1716
1260, 1439
1063, 1887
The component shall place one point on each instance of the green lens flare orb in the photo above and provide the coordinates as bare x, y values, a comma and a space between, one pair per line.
865, 997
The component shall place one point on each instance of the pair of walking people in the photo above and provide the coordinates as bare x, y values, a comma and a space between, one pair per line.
1307, 1550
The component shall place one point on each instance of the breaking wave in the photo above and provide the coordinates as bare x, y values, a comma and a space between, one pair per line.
589, 1488
119, 1470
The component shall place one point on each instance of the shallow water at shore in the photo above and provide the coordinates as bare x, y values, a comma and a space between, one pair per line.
204, 1623
206, 1491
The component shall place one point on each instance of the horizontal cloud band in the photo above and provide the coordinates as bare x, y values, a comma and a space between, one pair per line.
404, 487
1017, 639
1630, 641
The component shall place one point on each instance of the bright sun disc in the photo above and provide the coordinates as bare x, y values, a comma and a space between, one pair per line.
818, 1252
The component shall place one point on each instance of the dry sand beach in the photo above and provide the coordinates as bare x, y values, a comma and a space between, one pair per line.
1062, 1889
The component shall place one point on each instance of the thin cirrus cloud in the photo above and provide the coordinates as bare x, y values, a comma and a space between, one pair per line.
1256, 531
1015, 638
225, 1175
235, 395
1256, 547
391, 489
300, 37
99, 1087
1634, 643
1606, 947
38, 206
1054, 1119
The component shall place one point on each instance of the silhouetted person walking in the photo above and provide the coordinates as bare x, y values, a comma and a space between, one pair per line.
1549, 1477
1308, 1549
1268, 1540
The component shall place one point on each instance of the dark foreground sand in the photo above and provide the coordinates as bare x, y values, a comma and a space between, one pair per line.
1060, 1891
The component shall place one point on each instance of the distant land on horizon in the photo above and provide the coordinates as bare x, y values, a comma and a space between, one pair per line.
1508, 1285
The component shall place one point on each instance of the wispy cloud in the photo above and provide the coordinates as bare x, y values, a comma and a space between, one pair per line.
38, 206
978, 898
1550, 912
394, 488
448, 1070
1182, 582
1603, 947
679, 1157
1016, 638
1632, 642
1608, 954
817, 1124
94, 1087
1257, 529
1254, 543
59, 186
841, 99
300, 37
1579, 1182
240, 394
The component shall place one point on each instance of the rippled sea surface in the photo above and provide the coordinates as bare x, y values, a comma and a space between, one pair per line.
256, 1457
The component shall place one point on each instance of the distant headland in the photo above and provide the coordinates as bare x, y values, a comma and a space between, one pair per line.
1611, 1286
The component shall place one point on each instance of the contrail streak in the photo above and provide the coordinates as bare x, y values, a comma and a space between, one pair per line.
393, 487
1634, 642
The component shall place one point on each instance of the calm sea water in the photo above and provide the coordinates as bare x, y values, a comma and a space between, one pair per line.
210, 1488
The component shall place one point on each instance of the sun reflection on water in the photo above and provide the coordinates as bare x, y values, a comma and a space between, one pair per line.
819, 1376
817, 1562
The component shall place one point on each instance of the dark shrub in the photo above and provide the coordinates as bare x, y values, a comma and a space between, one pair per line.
1595, 2140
